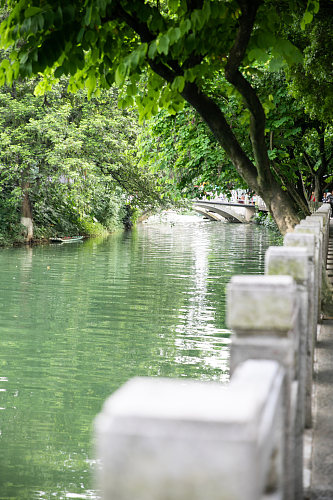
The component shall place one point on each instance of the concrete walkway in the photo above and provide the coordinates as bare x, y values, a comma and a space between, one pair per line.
321, 486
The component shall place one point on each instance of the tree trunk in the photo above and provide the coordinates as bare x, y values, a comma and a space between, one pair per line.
278, 201
26, 219
281, 207
295, 193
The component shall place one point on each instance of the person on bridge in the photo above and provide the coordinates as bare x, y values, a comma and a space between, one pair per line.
329, 199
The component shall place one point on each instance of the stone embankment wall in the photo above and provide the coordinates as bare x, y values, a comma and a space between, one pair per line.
171, 439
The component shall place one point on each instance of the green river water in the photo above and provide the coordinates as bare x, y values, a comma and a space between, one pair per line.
78, 320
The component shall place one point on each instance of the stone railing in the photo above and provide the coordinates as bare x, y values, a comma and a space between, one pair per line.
171, 439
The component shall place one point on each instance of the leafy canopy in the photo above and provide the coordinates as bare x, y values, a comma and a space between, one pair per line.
101, 42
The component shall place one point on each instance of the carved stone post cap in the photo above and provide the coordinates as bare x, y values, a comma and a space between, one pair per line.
325, 207
262, 305
302, 238
293, 261
166, 400
314, 219
312, 226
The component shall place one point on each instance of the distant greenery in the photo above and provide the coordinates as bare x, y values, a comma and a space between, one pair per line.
75, 160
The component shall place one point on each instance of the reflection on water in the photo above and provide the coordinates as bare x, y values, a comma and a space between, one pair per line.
78, 320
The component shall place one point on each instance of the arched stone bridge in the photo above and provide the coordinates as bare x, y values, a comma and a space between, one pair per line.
232, 212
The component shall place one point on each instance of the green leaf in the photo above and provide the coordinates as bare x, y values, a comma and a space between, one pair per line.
307, 19
91, 83
190, 42
24, 57
185, 26
258, 54
197, 19
32, 11
152, 50
173, 5
163, 45
59, 72
90, 36
276, 63
120, 74
190, 75
87, 17
291, 53
142, 50
266, 39
174, 35
131, 89
80, 35
178, 84
134, 59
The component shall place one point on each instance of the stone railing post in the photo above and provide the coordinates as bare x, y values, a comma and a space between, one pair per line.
308, 241
324, 212
263, 312
317, 220
314, 228
160, 439
296, 262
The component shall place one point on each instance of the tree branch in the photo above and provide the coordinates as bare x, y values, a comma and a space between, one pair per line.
299, 202
246, 22
137, 26
252, 102
168, 69
308, 162
215, 119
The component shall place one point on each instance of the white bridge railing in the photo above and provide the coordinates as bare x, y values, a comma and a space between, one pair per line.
171, 439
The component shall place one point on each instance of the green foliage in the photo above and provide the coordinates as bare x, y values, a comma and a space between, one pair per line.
10, 199
185, 154
77, 157
104, 42
312, 82
266, 220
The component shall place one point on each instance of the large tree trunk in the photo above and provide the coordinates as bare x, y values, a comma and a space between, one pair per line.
263, 182
281, 206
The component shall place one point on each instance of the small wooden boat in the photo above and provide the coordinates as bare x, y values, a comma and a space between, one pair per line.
66, 239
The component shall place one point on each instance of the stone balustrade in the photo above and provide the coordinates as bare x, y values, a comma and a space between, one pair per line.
172, 439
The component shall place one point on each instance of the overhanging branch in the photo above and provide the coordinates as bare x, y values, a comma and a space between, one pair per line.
252, 102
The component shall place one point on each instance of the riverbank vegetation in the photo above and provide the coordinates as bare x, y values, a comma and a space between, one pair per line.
228, 94
68, 164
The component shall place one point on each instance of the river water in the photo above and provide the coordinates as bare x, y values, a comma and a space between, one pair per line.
78, 320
